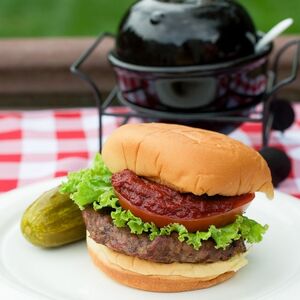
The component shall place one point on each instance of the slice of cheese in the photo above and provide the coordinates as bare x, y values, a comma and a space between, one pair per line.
144, 267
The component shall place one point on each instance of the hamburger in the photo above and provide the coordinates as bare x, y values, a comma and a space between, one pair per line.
164, 206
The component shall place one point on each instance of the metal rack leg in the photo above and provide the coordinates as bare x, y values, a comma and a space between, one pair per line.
100, 129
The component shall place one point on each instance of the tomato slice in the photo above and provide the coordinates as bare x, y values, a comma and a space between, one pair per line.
157, 203
218, 219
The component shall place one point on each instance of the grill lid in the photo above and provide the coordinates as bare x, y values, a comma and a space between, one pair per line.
185, 33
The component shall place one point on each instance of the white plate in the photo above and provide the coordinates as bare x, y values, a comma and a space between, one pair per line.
27, 272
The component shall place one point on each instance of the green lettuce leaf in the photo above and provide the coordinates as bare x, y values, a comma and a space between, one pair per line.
93, 187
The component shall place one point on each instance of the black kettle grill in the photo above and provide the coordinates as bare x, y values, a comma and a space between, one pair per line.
193, 62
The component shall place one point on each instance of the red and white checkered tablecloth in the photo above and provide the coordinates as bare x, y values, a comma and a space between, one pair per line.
39, 145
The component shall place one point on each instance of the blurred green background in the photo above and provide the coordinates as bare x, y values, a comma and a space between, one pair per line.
25, 18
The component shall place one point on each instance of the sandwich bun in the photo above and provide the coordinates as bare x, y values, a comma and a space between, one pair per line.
188, 159
158, 277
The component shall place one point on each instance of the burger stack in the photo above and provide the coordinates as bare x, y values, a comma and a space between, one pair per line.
164, 206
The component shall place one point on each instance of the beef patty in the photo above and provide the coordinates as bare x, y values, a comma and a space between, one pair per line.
163, 249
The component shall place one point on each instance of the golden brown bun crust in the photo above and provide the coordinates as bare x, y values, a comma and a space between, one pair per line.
188, 159
155, 283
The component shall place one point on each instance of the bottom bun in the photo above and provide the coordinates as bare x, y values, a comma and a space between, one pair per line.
121, 268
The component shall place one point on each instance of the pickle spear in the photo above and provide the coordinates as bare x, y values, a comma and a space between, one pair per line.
53, 220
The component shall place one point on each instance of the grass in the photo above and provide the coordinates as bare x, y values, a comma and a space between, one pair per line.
26, 18
267, 13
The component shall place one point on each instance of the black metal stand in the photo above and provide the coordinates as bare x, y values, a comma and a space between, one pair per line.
265, 116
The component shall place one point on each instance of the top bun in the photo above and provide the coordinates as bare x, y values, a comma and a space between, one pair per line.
188, 159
